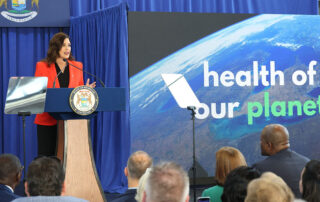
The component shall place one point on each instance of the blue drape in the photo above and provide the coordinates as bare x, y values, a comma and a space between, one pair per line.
208, 6
228, 6
21, 48
99, 40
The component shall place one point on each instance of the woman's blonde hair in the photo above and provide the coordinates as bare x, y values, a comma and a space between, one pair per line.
268, 188
227, 159
142, 183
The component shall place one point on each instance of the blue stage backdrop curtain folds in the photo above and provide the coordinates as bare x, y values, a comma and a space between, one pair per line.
227, 6
99, 40
203, 6
102, 47
21, 48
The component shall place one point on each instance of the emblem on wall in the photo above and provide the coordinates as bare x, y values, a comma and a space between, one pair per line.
18, 11
83, 100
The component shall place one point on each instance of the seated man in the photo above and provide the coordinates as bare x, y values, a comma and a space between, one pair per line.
45, 181
10, 174
137, 165
281, 160
167, 182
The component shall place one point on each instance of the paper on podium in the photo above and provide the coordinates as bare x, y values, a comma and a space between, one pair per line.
181, 90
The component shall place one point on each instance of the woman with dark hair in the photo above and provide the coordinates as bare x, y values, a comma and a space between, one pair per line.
310, 181
56, 63
235, 186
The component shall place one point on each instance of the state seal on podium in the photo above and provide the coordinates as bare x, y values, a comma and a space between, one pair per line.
83, 100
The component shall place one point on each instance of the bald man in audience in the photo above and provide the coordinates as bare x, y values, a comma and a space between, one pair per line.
281, 160
137, 165
167, 182
10, 174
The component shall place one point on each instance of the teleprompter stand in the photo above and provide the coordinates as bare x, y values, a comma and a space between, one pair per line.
194, 171
185, 98
23, 115
26, 96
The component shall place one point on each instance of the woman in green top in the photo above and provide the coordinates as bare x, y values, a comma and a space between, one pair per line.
227, 159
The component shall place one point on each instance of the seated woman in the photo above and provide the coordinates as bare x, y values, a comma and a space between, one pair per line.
269, 188
310, 181
235, 186
227, 159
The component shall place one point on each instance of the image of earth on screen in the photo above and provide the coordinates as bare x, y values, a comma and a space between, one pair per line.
261, 70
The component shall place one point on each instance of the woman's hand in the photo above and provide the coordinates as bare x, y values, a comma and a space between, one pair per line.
92, 85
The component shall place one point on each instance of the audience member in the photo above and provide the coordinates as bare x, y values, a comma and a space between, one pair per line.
310, 181
10, 174
227, 159
137, 164
167, 182
235, 186
282, 161
45, 181
269, 188
141, 187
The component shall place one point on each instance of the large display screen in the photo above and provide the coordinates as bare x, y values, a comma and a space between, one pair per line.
247, 71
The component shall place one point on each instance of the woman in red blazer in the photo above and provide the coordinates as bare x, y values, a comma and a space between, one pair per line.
70, 77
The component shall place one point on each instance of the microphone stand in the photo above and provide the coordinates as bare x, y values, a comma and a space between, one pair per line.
55, 79
193, 113
65, 60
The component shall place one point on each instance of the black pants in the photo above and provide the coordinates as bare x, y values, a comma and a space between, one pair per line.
47, 140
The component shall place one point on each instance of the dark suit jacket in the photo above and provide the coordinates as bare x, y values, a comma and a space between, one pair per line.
49, 199
128, 196
288, 165
75, 80
6, 194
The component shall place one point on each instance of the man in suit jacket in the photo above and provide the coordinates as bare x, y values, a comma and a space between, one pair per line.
282, 161
137, 165
49, 199
10, 174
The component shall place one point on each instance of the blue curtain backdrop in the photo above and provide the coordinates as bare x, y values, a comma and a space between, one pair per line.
22, 47
81, 7
99, 40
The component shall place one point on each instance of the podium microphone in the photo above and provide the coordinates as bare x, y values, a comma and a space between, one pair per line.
65, 60
55, 79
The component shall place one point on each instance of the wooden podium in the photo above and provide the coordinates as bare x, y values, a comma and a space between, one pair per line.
74, 140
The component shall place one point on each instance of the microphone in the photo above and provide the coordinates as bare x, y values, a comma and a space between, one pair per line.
191, 108
65, 60
55, 79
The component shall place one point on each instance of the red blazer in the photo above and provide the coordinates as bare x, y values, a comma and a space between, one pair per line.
75, 80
